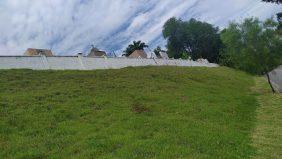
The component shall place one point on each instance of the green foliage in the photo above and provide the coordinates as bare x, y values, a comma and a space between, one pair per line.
136, 45
199, 39
184, 56
173, 32
157, 51
279, 19
147, 112
273, 1
279, 15
252, 46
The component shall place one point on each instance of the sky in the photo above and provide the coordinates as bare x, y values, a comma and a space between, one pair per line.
68, 27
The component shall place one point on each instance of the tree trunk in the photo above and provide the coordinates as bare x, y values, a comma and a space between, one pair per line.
268, 79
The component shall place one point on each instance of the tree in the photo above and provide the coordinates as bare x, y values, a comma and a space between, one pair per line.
184, 56
273, 1
158, 51
279, 15
196, 38
136, 45
173, 31
252, 46
279, 18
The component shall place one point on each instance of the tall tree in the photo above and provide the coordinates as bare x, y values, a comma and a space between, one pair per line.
273, 1
252, 46
173, 31
158, 51
196, 38
136, 45
279, 15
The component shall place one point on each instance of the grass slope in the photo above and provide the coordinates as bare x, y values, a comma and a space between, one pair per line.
268, 133
147, 112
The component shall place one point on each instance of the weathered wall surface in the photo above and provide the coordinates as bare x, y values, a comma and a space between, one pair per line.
22, 62
276, 79
87, 63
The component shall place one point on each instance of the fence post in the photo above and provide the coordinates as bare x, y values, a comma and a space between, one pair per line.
45, 62
80, 60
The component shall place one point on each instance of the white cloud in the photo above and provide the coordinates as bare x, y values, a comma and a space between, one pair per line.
70, 26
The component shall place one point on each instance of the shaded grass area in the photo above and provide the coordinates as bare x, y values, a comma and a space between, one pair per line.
146, 112
268, 132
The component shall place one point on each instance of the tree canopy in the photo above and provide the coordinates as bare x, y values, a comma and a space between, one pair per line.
195, 38
279, 15
252, 46
136, 45
273, 1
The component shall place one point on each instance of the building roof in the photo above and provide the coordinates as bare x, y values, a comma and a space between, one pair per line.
138, 54
37, 52
96, 53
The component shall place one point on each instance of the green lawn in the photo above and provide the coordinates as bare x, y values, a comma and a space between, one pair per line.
268, 132
147, 112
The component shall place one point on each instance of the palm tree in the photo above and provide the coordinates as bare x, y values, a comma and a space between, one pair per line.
158, 51
136, 45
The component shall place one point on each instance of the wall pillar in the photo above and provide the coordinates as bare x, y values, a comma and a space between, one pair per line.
45, 62
80, 60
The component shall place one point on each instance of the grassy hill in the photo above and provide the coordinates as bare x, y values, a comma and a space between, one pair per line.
147, 112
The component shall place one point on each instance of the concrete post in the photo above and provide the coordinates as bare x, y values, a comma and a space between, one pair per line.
45, 62
80, 60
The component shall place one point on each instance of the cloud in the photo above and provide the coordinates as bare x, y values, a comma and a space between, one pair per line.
71, 26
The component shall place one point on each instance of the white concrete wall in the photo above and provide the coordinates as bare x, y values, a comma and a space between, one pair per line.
276, 79
64, 63
87, 63
16, 62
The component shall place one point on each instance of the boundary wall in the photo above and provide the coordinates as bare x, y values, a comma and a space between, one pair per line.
88, 63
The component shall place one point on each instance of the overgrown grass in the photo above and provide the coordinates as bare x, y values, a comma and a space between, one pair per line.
267, 136
147, 112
